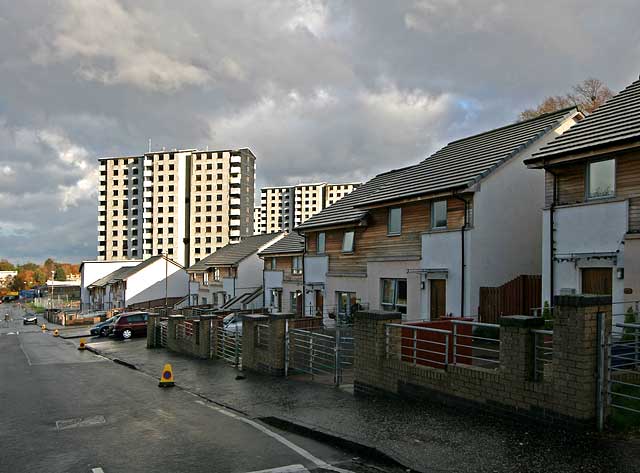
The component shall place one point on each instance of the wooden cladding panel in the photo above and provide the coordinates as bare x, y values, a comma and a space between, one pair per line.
312, 242
374, 242
340, 262
572, 185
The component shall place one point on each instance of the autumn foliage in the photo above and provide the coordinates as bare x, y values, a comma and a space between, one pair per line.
588, 95
31, 274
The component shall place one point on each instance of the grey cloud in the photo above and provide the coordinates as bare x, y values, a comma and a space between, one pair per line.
320, 90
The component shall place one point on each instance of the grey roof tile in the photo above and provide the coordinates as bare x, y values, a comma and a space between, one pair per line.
455, 166
292, 243
232, 254
617, 121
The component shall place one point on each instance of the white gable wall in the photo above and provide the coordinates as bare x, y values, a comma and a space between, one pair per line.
94, 270
506, 239
148, 284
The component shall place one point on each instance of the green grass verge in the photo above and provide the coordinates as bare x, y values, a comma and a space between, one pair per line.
622, 419
33, 308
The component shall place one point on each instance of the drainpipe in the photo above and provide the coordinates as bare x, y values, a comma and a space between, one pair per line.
304, 288
264, 287
551, 241
462, 254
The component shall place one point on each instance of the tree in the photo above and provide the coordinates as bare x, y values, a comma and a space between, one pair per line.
6, 266
60, 275
49, 265
588, 95
39, 277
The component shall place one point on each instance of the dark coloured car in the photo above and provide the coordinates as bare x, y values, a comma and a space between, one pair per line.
103, 329
130, 325
30, 319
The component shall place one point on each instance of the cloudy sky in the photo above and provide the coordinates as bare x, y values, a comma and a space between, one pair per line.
319, 90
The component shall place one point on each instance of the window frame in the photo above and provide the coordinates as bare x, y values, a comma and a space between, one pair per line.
587, 183
296, 264
353, 240
394, 305
322, 250
390, 212
433, 214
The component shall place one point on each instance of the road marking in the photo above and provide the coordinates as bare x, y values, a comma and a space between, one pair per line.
25, 354
299, 450
80, 422
97, 470
284, 469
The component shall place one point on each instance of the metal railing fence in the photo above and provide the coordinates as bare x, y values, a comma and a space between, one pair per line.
263, 335
478, 345
542, 352
624, 368
226, 343
418, 345
163, 325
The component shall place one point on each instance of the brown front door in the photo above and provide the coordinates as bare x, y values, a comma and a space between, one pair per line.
438, 298
319, 302
597, 281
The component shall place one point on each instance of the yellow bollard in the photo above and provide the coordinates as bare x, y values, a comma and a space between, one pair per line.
166, 378
82, 345
56, 333
44, 328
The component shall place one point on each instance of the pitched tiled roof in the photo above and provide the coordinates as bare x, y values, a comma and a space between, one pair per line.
123, 273
455, 166
461, 162
232, 254
292, 243
111, 277
344, 211
617, 121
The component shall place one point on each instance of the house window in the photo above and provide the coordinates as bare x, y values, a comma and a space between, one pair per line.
321, 242
347, 304
601, 176
393, 295
296, 264
295, 302
394, 224
347, 241
439, 214
274, 263
276, 299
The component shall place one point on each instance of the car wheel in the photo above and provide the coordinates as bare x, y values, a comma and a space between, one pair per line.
126, 333
104, 332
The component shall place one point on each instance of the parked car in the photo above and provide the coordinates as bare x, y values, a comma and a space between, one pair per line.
30, 319
232, 323
103, 329
130, 324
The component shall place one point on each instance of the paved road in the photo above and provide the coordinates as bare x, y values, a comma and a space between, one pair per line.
63, 410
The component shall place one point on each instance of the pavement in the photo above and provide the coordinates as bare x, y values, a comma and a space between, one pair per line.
65, 410
421, 436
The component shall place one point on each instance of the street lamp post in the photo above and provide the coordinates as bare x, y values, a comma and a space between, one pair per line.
166, 282
51, 292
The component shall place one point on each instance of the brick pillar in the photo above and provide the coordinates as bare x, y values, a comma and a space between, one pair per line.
173, 320
205, 336
370, 351
153, 327
517, 346
277, 349
268, 359
575, 353
249, 340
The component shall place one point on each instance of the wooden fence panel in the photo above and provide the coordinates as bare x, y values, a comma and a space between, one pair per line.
516, 297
